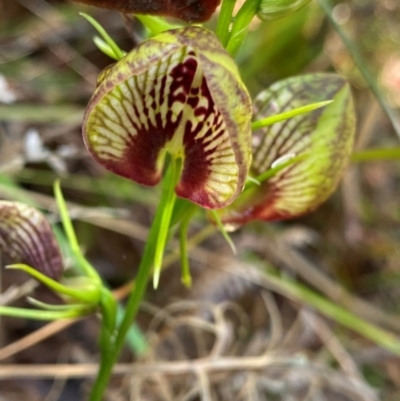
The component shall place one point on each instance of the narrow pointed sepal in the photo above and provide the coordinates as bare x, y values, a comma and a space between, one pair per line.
320, 141
178, 93
26, 237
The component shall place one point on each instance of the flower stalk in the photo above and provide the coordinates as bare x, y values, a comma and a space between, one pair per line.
158, 232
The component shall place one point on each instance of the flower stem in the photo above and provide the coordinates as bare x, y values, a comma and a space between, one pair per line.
241, 25
117, 52
110, 355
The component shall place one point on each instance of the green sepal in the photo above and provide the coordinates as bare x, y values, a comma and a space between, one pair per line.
87, 268
88, 291
37, 314
155, 25
113, 49
52, 307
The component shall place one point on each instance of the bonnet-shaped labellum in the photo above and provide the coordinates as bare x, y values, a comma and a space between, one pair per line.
178, 93
186, 10
26, 237
320, 143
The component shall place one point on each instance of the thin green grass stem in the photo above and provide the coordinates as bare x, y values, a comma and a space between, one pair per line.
369, 155
301, 293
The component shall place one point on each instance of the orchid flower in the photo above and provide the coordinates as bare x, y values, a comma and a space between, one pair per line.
309, 152
178, 93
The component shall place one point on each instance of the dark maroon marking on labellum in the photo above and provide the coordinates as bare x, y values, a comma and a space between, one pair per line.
186, 10
182, 75
196, 166
139, 161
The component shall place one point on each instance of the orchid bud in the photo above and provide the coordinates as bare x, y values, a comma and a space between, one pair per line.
275, 9
320, 141
178, 93
26, 237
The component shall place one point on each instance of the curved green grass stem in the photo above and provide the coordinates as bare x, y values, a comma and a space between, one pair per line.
341, 315
110, 354
376, 154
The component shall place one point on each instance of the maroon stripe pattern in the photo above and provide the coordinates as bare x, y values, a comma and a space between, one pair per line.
325, 136
178, 93
26, 237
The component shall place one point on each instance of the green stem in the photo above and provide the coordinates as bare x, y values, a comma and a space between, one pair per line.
301, 293
241, 25
146, 265
375, 154
224, 21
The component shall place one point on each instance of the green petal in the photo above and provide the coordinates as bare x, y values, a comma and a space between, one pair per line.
178, 93
321, 140
26, 237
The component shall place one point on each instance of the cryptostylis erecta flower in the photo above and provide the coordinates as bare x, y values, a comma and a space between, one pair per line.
26, 237
320, 143
178, 93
